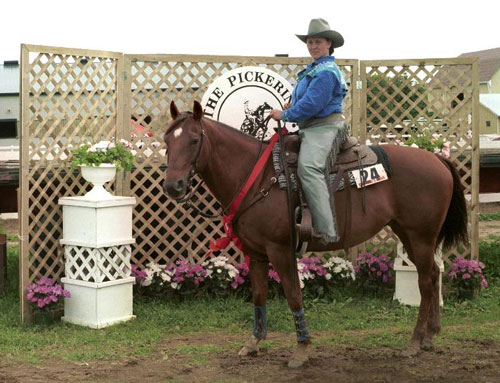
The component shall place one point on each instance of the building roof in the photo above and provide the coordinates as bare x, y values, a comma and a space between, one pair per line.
489, 62
9, 79
491, 101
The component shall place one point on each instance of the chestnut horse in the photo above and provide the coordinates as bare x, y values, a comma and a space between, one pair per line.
422, 202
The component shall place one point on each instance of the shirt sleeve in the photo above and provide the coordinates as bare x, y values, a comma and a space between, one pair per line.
318, 94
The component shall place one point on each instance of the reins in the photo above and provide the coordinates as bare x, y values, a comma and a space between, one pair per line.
231, 213
187, 199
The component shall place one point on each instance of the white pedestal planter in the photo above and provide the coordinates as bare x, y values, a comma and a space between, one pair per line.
97, 238
407, 291
98, 305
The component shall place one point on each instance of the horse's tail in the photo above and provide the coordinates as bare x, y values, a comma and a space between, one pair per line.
454, 229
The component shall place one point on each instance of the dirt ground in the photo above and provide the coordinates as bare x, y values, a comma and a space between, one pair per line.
469, 361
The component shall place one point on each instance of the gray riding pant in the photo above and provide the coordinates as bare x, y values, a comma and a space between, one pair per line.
315, 147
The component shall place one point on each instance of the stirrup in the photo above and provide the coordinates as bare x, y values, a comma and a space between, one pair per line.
304, 227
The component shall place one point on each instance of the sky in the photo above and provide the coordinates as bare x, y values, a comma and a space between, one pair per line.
372, 30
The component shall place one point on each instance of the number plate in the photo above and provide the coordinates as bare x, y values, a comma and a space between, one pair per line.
369, 175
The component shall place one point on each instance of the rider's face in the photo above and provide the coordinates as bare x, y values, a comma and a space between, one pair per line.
318, 47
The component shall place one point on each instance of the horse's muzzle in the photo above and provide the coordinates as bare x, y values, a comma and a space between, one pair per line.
175, 189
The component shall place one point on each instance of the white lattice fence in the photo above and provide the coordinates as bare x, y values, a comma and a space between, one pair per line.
98, 265
67, 97
165, 231
404, 98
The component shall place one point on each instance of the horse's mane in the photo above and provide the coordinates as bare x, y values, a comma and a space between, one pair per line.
231, 129
184, 116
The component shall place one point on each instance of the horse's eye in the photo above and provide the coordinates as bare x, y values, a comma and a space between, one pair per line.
194, 141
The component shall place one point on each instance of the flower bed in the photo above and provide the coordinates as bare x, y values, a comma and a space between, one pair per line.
216, 276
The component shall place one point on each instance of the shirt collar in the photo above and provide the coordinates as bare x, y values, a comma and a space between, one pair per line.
322, 60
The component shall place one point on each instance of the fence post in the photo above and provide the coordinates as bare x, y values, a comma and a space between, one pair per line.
3, 261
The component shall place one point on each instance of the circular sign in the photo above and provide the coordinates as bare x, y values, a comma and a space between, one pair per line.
242, 98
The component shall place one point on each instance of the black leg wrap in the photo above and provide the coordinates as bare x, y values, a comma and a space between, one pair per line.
300, 325
259, 322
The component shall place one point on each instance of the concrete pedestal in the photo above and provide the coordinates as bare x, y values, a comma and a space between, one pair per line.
97, 238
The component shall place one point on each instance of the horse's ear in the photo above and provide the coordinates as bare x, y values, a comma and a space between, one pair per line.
174, 112
197, 110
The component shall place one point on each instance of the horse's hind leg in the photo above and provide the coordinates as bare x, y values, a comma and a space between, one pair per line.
421, 253
433, 323
423, 258
259, 267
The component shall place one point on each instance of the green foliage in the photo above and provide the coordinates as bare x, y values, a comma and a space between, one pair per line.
402, 90
489, 254
489, 217
425, 140
95, 155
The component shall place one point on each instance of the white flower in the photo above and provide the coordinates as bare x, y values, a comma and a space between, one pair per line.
125, 143
148, 280
165, 277
337, 269
414, 145
175, 286
100, 146
219, 271
328, 276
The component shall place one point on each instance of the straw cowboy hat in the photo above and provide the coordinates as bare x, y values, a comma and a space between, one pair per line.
321, 28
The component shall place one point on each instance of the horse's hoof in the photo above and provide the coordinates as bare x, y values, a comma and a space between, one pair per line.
410, 351
300, 356
297, 361
427, 346
248, 351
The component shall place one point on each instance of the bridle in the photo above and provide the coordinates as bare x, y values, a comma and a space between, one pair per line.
186, 200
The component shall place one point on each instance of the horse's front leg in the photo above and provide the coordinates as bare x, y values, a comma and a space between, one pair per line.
259, 268
282, 262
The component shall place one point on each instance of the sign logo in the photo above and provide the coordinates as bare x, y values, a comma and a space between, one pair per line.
243, 97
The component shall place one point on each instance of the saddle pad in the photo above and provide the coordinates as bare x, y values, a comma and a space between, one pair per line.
382, 158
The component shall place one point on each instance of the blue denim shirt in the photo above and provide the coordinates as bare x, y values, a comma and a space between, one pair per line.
319, 91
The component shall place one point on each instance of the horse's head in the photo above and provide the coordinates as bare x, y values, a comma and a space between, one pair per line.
184, 138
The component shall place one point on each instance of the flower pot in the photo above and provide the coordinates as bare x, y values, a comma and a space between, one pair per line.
98, 176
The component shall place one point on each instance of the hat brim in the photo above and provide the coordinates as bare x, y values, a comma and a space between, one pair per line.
335, 37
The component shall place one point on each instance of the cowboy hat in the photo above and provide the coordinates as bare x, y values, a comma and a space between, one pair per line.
321, 28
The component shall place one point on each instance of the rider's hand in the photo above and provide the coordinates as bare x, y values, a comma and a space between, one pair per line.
287, 106
275, 114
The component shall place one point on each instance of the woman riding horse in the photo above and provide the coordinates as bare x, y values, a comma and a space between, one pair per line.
317, 108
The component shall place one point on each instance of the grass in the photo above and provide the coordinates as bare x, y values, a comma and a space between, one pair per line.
347, 318
489, 217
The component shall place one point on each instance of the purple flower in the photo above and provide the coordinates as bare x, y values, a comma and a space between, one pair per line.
45, 292
467, 273
273, 275
374, 268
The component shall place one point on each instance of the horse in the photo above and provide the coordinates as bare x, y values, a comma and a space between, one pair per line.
422, 201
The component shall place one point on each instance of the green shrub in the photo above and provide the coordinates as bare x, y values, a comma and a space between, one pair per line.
489, 254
